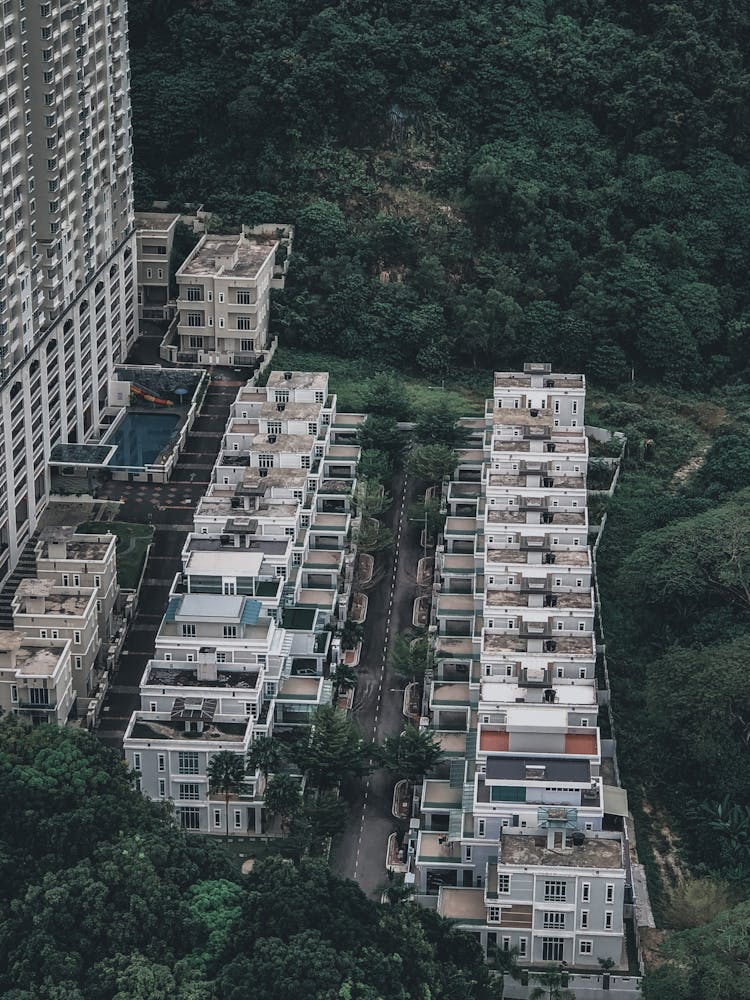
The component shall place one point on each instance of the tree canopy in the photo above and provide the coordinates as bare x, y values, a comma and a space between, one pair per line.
133, 908
471, 183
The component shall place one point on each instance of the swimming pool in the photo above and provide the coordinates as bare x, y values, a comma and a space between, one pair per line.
141, 437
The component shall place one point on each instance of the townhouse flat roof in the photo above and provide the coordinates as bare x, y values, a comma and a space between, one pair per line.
256, 544
57, 600
182, 675
156, 221
293, 443
85, 547
508, 643
562, 769
594, 852
252, 479
498, 740
462, 904
224, 562
300, 687
145, 728
39, 661
497, 692
543, 371
298, 380
292, 411
228, 256
209, 607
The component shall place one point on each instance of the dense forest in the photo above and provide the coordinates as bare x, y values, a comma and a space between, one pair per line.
474, 183
674, 573
102, 897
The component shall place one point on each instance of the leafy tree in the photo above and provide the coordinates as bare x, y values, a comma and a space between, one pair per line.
432, 462
380, 433
283, 797
705, 962
322, 818
374, 466
410, 657
437, 424
266, 754
351, 634
700, 717
141, 909
226, 772
372, 536
385, 396
550, 987
678, 568
429, 515
505, 961
411, 754
726, 467
335, 749
371, 499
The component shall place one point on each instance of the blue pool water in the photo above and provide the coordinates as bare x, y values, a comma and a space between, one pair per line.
141, 437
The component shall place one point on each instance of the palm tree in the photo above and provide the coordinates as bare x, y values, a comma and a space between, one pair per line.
351, 634
282, 797
551, 987
398, 892
505, 961
345, 676
606, 965
265, 755
226, 771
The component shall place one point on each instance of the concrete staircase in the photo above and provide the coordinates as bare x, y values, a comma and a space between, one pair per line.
25, 569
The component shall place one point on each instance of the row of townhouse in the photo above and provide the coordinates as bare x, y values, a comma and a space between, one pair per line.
521, 833
51, 659
245, 640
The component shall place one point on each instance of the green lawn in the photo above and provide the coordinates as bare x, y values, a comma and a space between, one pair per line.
132, 542
242, 848
349, 380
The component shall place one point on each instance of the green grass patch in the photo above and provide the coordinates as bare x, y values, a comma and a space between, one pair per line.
132, 542
349, 379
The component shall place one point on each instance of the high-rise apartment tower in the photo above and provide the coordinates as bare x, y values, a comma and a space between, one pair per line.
67, 259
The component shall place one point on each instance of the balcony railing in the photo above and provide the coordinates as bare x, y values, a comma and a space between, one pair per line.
48, 706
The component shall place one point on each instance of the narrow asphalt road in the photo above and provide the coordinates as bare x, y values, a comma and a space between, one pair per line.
170, 507
360, 852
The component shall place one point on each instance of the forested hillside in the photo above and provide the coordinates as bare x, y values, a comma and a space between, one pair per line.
103, 898
473, 183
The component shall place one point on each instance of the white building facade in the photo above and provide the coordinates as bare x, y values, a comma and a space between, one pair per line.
67, 286
244, 646
521, 831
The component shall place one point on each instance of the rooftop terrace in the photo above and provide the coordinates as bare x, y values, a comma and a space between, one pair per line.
148, 728
229, 256
187, 676
298, 380
531, 850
